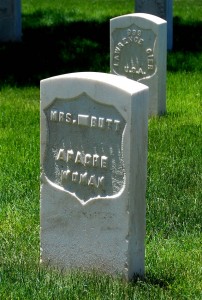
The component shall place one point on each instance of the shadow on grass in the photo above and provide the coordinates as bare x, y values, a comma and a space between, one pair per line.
67, 47
187, 46
164, 282
52, 50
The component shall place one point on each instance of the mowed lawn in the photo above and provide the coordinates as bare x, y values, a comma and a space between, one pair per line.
68, 36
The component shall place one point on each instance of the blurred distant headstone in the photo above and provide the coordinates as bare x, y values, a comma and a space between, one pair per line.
10, 20
159, 8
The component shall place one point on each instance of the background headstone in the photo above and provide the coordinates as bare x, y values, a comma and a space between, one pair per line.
93, 160
138, 51
10, 20
159, 8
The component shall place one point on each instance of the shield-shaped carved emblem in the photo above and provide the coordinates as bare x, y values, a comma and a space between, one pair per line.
84, 152
133, 52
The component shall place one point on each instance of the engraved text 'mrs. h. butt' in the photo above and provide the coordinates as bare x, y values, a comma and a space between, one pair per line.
84, 154
84, 120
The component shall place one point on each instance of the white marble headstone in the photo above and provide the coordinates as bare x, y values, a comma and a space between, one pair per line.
10, 20
138, 51
159, 8
93, 172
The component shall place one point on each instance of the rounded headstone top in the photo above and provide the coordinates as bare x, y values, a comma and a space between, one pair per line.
119, 82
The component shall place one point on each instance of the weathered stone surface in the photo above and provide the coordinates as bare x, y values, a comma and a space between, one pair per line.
93, 180
159, 8
10, 20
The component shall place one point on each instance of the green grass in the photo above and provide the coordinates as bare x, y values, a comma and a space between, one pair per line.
74, 10
57, 38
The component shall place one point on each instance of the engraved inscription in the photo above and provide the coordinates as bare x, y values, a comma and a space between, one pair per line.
133, 53
87, 159
84, 153
84, 120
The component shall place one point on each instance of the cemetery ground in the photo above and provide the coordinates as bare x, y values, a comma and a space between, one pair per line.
73, 36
